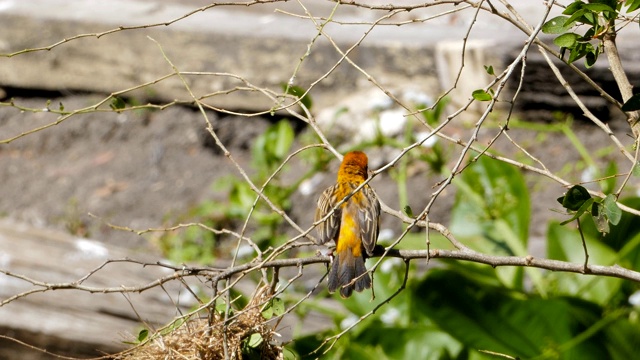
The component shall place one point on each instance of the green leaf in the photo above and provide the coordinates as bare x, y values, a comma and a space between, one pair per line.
591, 59
117, 103
529, 326
598, 7
575, 197
567, 40
633, 5
284, 138
491, 213
300, 93
255, 340
278, 306
636, 170
577, 16
490, 190
142, 335
408, 211
622, 235
481, 95
557, 25
275, 307
612, 210
221, 307
573, 7
579, 50
632, 104
489, 69
581, 210
267, 313
270, 148
590, 19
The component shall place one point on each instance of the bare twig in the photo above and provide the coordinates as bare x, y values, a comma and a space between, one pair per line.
615, 64
217, 274
584, 246
138, 27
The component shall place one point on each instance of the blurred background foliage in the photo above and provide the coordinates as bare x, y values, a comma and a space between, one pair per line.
450, 309
464, 310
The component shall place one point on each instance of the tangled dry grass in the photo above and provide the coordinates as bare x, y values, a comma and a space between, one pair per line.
247, 336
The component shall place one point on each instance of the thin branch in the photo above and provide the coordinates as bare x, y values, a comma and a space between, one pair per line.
625, 87
335, 338
217, 274
604, 127
507, 74
631, 170
138, 27
584, 246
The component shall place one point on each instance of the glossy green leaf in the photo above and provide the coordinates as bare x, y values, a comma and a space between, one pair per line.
481, 95
598, 7
557, 25
633, 5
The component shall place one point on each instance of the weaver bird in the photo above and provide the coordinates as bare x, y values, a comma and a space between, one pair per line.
353, 225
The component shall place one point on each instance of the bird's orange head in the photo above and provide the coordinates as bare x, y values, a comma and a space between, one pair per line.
354, 166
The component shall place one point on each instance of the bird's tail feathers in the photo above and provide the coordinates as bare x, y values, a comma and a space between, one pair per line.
345, 268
